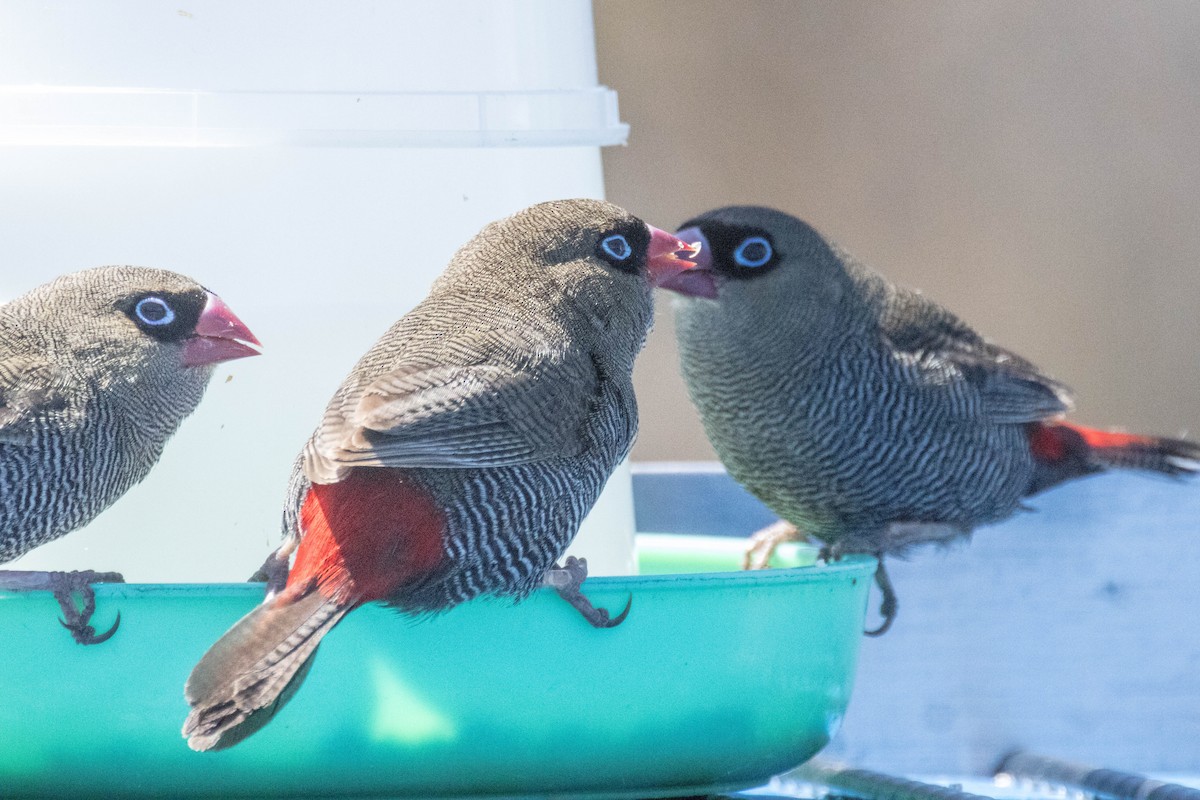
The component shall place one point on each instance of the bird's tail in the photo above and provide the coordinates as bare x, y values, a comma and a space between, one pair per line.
255, 668
1064, 451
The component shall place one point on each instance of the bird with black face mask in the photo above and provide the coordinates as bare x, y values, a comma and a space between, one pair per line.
864, 413
460, 454
97, 370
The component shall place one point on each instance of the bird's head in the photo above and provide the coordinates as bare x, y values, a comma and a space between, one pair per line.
585, 259
134, 325
757, 264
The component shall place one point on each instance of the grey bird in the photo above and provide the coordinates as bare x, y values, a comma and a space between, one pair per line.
460, 454
863, 413
97, 370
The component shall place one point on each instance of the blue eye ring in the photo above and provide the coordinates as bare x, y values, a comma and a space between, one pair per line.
761, 252
154, 311
616, 246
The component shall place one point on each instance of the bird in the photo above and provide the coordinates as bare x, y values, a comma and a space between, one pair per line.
862, 413
98, 368
460, 454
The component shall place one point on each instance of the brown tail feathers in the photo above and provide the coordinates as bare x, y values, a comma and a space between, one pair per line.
253, 670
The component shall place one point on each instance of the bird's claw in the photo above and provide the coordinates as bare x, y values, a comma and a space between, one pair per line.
597, 617
77, 620
83, 633
762, 545
889, 605
829, 553
274, 571
567, 580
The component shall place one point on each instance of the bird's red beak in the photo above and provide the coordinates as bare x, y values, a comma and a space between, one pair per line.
698, 279
219, 336
662, 258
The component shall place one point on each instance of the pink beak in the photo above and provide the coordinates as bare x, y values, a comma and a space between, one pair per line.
699, 280
219, 336
662, 259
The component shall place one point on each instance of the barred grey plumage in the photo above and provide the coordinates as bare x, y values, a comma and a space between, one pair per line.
97, 370
459, 456
861, 412
520, 359
88, 399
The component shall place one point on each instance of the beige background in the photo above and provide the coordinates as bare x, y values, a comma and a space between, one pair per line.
1034, 166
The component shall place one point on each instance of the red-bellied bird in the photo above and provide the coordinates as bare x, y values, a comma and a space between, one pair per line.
460, 454
863, 413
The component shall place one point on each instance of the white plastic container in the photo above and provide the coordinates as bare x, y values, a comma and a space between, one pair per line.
316, 165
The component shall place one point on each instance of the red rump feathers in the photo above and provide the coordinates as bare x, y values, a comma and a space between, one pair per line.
1063, 451
367, 536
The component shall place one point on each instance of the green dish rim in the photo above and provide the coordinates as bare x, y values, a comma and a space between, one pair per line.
853, 564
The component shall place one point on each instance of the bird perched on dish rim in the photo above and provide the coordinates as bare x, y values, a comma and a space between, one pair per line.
98, 369
864, 413
460, 454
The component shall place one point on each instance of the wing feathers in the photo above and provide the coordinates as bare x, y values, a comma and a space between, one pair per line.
29, 390
984, 377
481, 415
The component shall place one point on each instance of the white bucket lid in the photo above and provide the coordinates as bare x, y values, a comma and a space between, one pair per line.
374, 73
156, 117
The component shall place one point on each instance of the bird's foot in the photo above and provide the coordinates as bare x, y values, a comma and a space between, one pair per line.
889, 605
274, 571
76, 619
567, 580
830, 553
762, 545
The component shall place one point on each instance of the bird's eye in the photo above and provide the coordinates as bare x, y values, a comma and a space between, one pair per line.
753, 252
616, 246
154, 311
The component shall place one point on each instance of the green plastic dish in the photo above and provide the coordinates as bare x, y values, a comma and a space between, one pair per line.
715, 682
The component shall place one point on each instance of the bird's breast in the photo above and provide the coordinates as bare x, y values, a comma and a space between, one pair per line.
71, 469
834, 439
